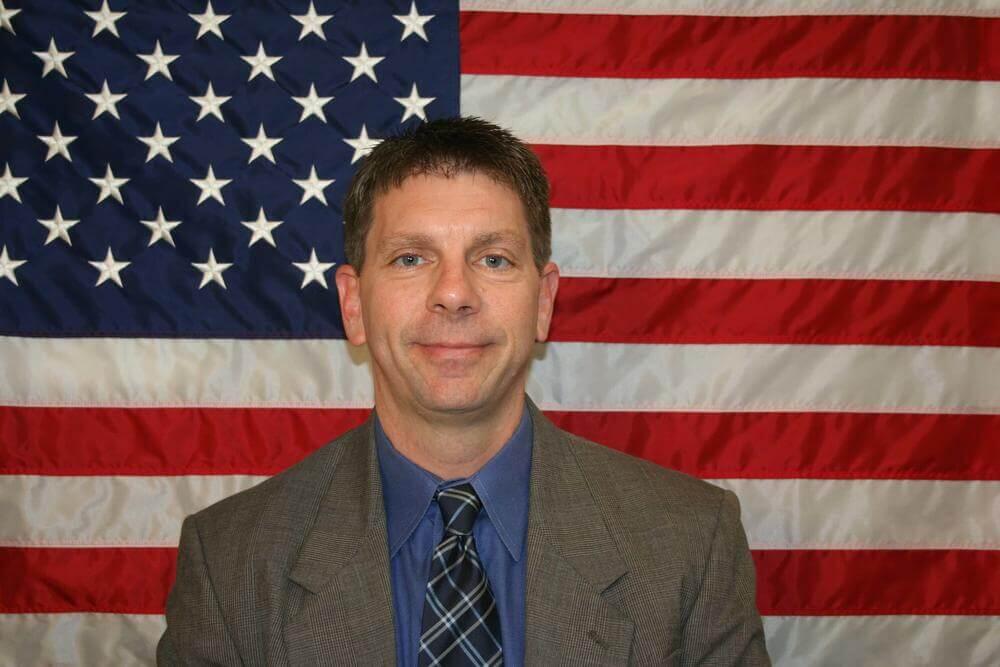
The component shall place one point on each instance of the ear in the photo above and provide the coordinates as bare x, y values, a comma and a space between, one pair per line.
547, 288
349, 292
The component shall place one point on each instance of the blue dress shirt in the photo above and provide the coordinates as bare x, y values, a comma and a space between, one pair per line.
415, 527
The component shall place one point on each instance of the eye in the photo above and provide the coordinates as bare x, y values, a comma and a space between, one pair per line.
497, 262
408, 259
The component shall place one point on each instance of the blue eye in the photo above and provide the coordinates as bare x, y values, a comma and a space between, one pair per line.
497, 262
407, 260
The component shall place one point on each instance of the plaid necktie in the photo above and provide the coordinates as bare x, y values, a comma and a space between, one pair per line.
461, 624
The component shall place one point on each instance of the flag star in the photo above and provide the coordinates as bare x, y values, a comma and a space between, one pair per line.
5, 16
364, 63
57, 143
210, 103
106, 101
104, 19
414, 104
53, 58
261, 228
363, 145
312, 104
312, 22
110, 186
260, 63
8, 100
209, 21
211, 186
159, 63
312, 186
160, 228
158, 144
413, 23
58, 227
211, 271
261, 145
110, 269
8, 266
313, 270
10, 183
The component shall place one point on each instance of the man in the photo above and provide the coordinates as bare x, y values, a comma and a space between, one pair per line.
459, 526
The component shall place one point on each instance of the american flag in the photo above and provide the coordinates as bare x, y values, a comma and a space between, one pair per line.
777, 222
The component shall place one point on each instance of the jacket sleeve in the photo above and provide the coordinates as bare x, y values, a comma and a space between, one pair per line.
196, 631
724, 626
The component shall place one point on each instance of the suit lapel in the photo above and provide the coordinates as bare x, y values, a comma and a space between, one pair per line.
573, 562
346, 615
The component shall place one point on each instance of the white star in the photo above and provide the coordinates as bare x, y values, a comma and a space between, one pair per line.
9, 99
364, 64
260, 63
104, 19
261, 145
159, 63
414, 104
53, 58
109, 269
312, 104
363, 145
211, 186
261, 228
160, 228
106, 101
312, 22
211, 270
57, 143
5, 16
210, 103
158, 144
209, 21
10, 183
313, 270
8, 266
58, 227
413, 23
110, 186
312, 186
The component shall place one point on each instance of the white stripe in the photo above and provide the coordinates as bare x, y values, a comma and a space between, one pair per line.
79, 639
685, 112
868, 514
121, 639
777, 513
740, 7
106, 511
834, 641
111, 372
889, 245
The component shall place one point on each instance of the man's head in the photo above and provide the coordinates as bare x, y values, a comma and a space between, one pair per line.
450, 224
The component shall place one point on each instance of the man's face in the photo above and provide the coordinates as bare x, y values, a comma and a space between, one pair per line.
449, 300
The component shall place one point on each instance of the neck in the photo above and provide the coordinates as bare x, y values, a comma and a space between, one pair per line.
450, 446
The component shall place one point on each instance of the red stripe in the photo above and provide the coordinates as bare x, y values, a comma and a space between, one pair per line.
772, 177
926, 47
862, 312
136, 581
813, 583
176, 441
109, 580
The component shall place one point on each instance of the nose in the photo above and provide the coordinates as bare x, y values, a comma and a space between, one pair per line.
454, 289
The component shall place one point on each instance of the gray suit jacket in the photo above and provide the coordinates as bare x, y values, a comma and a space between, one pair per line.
627, 563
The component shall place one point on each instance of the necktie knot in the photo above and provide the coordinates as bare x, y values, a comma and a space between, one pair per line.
459, 507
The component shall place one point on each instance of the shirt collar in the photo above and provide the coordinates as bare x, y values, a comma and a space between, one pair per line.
502, 484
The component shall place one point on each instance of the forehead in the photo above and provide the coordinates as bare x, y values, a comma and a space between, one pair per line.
426, 202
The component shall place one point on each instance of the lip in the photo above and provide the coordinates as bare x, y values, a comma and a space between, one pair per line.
451, 350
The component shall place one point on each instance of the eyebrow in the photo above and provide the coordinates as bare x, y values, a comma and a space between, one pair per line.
392, 243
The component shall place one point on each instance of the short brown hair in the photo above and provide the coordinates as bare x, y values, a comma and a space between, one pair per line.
446, 147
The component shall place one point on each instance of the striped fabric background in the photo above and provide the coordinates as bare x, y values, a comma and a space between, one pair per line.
779, 227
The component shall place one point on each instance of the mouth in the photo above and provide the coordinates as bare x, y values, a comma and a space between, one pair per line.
451, 350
